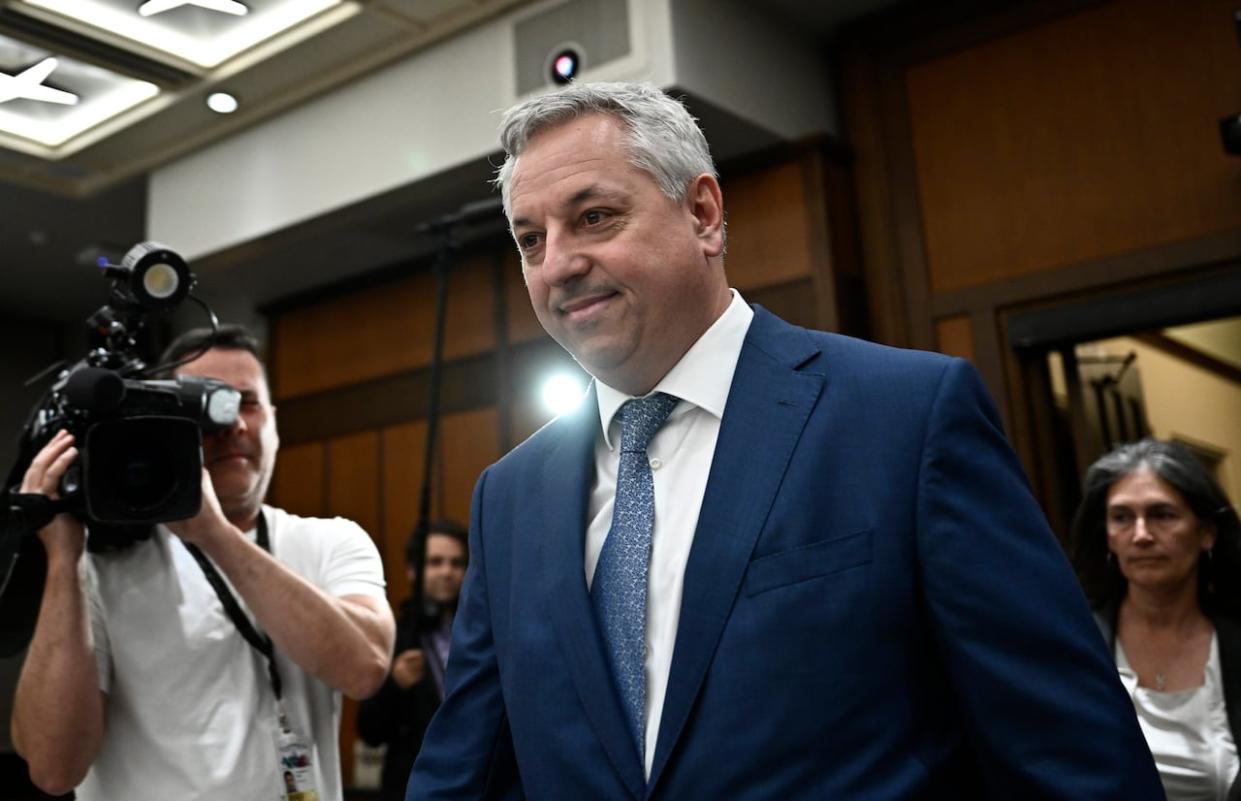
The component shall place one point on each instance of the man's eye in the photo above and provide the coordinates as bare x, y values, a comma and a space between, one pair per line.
594, 217
528, 241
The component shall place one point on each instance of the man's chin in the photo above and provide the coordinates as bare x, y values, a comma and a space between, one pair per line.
233, 490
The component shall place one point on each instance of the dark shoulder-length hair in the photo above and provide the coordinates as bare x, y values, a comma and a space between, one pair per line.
1218, 572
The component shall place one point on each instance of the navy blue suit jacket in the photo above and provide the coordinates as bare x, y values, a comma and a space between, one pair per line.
874, 608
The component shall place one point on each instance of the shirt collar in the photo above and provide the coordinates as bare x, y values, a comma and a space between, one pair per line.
704, 374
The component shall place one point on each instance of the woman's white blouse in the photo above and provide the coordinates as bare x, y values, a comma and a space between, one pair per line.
1187, 732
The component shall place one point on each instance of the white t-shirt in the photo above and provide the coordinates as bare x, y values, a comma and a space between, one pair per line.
190, 712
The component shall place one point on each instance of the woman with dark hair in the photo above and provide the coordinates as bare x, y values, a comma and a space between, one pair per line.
1157, 546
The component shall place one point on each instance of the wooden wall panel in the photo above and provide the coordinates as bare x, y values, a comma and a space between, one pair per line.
955, 337
353, 480
383, 330
297, 485
467, 443
769, 231
1089, 136
523, 326
403, 447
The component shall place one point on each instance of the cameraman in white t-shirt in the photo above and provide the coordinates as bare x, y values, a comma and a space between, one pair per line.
141, 683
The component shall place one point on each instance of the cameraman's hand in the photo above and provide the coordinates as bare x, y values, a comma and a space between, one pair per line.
409, 668
64, 536
208, 523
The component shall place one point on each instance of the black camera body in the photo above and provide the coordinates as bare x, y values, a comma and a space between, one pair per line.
139, 438
138, 435
139, 443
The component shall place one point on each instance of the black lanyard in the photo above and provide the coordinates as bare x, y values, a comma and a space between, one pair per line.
260, 642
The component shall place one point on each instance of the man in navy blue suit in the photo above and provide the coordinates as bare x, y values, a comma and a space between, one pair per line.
758, 562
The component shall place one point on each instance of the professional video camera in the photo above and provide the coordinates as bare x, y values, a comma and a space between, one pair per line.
139, 438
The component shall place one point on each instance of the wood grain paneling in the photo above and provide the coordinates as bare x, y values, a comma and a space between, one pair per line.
523, 326
403, 453
353, 480
382, 330
955, 337
466, 444
1084, 137
297, 485
769, 230
794, 302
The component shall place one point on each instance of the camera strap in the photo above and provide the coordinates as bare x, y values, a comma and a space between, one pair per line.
260, 642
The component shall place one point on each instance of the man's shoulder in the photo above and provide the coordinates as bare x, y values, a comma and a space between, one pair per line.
287, 526
839, 354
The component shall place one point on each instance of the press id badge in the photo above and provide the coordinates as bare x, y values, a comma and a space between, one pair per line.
294, 755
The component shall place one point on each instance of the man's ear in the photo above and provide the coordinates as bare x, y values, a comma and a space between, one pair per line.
706, 205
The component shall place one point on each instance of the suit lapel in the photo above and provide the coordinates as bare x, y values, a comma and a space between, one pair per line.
567, 479
768, 406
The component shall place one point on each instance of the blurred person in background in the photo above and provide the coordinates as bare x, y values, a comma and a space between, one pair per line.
1157, 546
398, 715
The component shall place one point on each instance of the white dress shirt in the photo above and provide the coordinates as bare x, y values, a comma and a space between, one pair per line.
680, 458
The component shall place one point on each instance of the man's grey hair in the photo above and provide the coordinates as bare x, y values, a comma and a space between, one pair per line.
664, 138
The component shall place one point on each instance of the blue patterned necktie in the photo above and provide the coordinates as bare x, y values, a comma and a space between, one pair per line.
619, 586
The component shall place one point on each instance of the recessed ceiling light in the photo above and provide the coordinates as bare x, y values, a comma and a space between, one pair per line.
84, 101
152, 7
222, 102
28, 85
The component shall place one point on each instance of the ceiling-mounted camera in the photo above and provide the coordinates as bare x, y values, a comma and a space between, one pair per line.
564, 63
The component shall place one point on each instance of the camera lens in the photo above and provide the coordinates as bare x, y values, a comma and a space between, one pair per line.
565, 64
142, 469
144, 477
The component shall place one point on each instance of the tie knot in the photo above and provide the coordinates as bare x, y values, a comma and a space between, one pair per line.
642, 417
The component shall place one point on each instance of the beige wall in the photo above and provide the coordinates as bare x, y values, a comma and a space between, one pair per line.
1189, 403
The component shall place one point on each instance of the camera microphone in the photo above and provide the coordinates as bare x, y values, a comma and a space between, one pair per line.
95, 389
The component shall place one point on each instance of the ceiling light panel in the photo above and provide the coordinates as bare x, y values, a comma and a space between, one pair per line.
205, 33
38, 86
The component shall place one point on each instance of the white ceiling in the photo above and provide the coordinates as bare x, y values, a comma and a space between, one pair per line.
59, 200
63, 204
281, 53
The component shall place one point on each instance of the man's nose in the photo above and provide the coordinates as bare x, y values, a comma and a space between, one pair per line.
563, 259
238, 427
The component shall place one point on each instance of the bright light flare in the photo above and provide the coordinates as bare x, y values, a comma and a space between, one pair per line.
562, 393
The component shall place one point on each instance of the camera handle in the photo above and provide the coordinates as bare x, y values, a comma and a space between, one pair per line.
24, 514
31, 511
